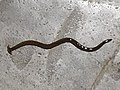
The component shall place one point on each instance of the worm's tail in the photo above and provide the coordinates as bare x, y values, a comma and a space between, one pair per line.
9, 50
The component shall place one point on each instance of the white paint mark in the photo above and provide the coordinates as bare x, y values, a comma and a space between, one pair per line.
90, 48
85, 47
106, 41
82, 46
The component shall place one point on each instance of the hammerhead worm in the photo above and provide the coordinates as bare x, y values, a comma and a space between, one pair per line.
57, 43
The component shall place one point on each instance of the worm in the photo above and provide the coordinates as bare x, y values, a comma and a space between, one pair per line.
57, 43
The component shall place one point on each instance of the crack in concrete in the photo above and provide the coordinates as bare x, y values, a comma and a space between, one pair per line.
103, 70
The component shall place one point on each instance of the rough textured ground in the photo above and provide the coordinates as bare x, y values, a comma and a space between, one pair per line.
63, 67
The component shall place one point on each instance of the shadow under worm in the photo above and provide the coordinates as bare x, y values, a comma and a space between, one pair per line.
57, 43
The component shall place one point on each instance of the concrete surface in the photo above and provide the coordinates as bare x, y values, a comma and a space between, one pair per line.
63, 67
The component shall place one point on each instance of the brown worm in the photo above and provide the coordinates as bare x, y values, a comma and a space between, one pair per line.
57, 43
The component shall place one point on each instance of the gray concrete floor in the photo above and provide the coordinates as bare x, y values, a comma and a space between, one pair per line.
63, 67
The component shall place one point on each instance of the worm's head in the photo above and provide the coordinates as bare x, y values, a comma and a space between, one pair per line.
108, 40
9, 50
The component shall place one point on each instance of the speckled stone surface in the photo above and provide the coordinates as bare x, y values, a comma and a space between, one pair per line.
64, 67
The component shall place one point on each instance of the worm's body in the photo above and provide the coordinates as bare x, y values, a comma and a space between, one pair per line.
57, 43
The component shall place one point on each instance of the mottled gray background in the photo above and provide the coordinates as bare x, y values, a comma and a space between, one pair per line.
63, 67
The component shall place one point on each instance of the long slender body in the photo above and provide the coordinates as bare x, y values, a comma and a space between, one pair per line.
57, 43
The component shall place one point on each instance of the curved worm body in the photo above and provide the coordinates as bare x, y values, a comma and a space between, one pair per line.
57, 43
